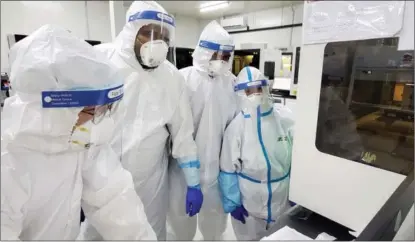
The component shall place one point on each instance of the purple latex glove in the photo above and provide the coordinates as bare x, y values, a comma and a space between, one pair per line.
240, 213
194, 200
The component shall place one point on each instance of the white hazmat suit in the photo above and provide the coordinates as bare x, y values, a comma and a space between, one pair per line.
157, 108
45, 175
255, 160
214, 104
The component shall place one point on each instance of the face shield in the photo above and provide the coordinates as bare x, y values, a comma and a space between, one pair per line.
217, 58
154, 37
253, 90
96, 110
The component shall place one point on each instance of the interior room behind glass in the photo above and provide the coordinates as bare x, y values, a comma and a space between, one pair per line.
366, 110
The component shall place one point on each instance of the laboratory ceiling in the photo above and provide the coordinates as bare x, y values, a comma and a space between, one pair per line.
191, 8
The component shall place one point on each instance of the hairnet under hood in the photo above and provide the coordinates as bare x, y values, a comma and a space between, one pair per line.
213, 32
126, 38
51, 58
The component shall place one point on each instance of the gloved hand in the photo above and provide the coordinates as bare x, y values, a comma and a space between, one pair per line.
240, 213
194, 200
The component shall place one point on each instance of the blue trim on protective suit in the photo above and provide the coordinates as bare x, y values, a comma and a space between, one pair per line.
190, 164
264, 151
248, 71
262, 114
231, 195
191, 172
270, 181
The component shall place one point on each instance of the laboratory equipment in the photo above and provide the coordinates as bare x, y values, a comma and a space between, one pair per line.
294, 74
394, 213
245, 57
269, 69
354, 132
392, 222
256, 54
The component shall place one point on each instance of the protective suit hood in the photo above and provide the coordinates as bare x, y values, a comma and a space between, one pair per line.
125, 41
51, 58
213, 35
252, 77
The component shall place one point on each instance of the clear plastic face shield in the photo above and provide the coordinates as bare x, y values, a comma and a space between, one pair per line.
154, 38
253, 93
96, 114
219, 57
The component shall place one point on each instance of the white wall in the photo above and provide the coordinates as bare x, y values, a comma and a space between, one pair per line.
87, 20
187, 31
272, 18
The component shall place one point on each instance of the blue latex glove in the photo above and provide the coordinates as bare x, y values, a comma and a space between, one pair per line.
194, 200
240, 213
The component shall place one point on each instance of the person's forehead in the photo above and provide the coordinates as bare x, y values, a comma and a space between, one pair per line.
154, 27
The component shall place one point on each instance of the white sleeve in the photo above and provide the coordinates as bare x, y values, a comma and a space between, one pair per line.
230, 166
184, 148
109, 200
14, 194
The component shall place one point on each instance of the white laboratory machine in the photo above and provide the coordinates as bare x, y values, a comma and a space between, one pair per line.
294, 73
354, 131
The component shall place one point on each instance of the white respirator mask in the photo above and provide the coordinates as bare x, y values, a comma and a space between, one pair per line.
218, 67
254, 100
154, 52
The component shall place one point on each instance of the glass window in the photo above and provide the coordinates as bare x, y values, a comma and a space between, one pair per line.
366, 108
286, 62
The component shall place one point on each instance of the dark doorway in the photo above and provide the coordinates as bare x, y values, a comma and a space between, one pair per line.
184, 57
244, 58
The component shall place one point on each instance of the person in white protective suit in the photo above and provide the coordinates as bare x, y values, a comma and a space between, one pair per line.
256, 159
214, 104
55, 152
157, 108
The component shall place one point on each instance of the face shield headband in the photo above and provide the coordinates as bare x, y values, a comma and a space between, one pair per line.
220, 49
153, 15
212, 57
96, 102
250, 84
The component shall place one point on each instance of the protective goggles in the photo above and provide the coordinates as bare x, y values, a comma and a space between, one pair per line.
96, 103
221, 52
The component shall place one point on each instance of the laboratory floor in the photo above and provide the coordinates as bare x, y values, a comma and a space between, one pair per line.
228, 235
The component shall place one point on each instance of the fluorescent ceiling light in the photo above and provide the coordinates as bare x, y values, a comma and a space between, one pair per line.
213, 5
